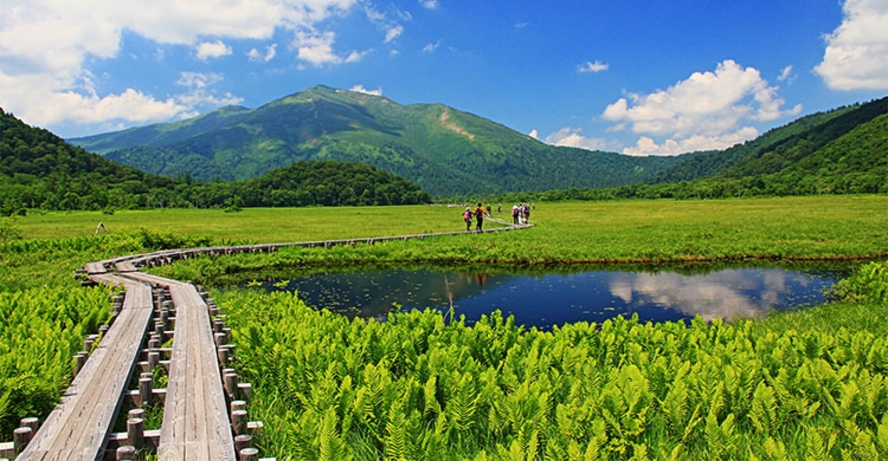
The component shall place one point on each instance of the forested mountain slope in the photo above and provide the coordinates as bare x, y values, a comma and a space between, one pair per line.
40, 170
444, 150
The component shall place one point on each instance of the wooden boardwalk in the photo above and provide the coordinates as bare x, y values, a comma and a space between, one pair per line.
197, 424
78, 428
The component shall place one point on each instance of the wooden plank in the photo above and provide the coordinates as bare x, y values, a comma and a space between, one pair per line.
125, 266
78, 428
96, 268
195, 421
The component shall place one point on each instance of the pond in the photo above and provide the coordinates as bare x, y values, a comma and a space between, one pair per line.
546, 299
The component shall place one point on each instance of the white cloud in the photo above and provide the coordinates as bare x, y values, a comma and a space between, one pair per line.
592, 67
534, 134
217, 49
45, 46
200, 94
706, 109
785, 75
317, 49
856, 56
647, 146
571, 137
429, 4
361, 89
257, 56
431, 47
393, 32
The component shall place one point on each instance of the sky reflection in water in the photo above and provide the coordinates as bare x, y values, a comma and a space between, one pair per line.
555, 299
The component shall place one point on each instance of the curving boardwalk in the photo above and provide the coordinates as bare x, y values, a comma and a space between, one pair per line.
204, 408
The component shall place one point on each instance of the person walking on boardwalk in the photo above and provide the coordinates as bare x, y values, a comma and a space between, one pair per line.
515, 215
479, 218
467, 217
526, 214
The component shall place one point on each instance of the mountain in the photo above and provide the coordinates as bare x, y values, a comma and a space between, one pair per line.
788, 147
40, 170
841, 151
444, 150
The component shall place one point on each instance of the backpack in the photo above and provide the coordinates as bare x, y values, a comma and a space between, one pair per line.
478, 212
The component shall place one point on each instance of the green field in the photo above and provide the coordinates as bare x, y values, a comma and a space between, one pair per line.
806, 385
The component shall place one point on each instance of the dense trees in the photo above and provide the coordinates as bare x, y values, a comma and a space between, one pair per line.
40, 170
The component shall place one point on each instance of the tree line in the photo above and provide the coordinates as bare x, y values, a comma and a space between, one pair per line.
39, 170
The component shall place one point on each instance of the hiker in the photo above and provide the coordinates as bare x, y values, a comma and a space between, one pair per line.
499, 208
515, 215
526, 215
479, 218
467, 217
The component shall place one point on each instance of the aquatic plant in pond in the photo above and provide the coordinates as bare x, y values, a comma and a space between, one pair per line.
558, 297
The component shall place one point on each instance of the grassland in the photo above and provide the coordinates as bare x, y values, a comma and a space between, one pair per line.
840, 341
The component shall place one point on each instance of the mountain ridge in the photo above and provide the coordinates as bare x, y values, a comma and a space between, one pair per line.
445, 150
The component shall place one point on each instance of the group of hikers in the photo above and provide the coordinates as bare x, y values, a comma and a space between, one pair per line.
520, 215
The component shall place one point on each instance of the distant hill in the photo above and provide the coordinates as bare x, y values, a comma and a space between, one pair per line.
779, 148
446, 151
40, 170
842, 151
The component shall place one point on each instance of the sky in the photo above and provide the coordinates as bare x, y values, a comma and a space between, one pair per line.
640, 77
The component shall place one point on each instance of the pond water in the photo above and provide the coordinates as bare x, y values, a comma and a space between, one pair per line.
544, 300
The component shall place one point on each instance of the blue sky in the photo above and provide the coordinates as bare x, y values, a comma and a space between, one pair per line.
633, 76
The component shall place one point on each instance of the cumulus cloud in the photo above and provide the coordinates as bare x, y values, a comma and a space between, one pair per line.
429, 4
592, 67
709, 109
317, 49
45, 45
361, 89
217, 49
856, 56
571, 137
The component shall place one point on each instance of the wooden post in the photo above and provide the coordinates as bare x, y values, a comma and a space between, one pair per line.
79, 361
219, 338
242, 441
136, 413
31, 422
248, 454
239, 421
21, 436
145, 389
222, 353
245, 390
135, 432
153, 358
88, 343
231, 383
126, 453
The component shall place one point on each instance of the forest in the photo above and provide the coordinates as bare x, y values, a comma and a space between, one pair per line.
39, 170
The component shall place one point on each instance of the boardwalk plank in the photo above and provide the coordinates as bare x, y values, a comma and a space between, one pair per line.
77, 429
196, 427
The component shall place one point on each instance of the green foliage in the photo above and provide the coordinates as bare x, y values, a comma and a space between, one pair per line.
40, 329
415, 387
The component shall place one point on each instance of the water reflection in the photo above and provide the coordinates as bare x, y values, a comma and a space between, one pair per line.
544, 300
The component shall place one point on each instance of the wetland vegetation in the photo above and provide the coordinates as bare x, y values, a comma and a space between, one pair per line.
795, 385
